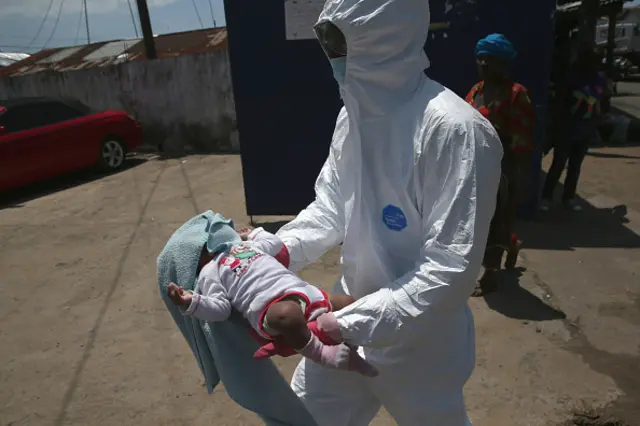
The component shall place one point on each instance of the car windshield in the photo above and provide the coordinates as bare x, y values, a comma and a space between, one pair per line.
79, 106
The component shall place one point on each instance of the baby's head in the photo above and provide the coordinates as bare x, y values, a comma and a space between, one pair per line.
205, 257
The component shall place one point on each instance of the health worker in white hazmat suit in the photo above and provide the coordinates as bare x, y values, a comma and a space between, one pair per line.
409, 188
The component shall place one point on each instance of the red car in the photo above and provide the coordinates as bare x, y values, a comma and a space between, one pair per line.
41, 138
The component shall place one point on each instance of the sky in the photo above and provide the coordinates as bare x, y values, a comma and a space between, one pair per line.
108, 20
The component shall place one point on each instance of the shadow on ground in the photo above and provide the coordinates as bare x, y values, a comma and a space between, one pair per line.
272, 227
513, 301
561, 229
593, 419
633, 132
17, 197
611, 155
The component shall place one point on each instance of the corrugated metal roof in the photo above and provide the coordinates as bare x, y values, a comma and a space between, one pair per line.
111, 49
59, 55
117, 51
185, 43
7, 59
574, 6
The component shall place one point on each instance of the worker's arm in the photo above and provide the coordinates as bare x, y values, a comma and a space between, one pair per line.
320, 226
460, 175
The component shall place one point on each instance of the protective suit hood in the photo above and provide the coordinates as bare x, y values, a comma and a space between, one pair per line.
385, 51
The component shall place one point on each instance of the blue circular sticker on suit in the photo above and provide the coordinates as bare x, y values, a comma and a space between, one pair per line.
393, 217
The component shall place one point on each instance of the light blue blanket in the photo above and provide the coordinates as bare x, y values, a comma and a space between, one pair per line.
224, 350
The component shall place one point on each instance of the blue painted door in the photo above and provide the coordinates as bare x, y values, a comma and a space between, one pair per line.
287, 102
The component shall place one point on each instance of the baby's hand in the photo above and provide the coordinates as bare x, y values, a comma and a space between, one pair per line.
178, 296
244, 233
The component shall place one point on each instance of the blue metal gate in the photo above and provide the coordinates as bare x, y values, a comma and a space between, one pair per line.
287, 102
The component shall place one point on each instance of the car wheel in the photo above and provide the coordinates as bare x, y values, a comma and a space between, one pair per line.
112, 154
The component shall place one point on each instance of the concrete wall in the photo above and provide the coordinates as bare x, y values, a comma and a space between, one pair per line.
183, 103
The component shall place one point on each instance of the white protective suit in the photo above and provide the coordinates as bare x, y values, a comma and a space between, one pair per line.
409, 188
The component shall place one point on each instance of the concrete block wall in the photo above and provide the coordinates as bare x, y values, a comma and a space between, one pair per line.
184, 103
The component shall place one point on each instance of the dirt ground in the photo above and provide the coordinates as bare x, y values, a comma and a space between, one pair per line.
86, 339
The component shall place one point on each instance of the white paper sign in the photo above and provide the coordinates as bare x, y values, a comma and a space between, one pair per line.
300, 17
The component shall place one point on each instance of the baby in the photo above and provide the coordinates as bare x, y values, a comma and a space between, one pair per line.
252, 277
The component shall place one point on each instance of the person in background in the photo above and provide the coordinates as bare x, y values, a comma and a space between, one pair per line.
506, 105
560, 64
582, 94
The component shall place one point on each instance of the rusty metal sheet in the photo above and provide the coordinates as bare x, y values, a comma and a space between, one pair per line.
111, 49
60, 55
118, 51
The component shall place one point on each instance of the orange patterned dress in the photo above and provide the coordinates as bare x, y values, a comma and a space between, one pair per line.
513, 119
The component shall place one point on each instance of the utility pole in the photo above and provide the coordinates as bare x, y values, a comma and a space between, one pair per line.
147, 32
588, 17
611, 41
86, 21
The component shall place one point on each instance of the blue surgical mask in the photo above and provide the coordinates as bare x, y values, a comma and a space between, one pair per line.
339, 66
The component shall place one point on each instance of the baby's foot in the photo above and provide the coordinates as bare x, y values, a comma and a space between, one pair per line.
341, 357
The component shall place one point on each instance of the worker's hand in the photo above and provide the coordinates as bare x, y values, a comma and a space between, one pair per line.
359, 364
244, 233
178, 296
344, 357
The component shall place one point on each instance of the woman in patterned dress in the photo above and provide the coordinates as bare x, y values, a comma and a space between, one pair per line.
506, 104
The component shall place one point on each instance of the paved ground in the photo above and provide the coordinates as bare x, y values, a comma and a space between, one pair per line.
86, 341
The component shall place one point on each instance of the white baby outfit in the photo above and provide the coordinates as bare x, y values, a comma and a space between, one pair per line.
250, 278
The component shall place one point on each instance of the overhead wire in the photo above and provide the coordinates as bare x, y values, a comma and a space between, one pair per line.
19, 46
79, 22
86, 21
55, 25
133, 18
213, 17
14, 46
23, 37
193, 2
46, 15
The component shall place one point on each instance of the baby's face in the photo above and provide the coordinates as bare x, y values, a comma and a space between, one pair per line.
244, 233
205, 257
